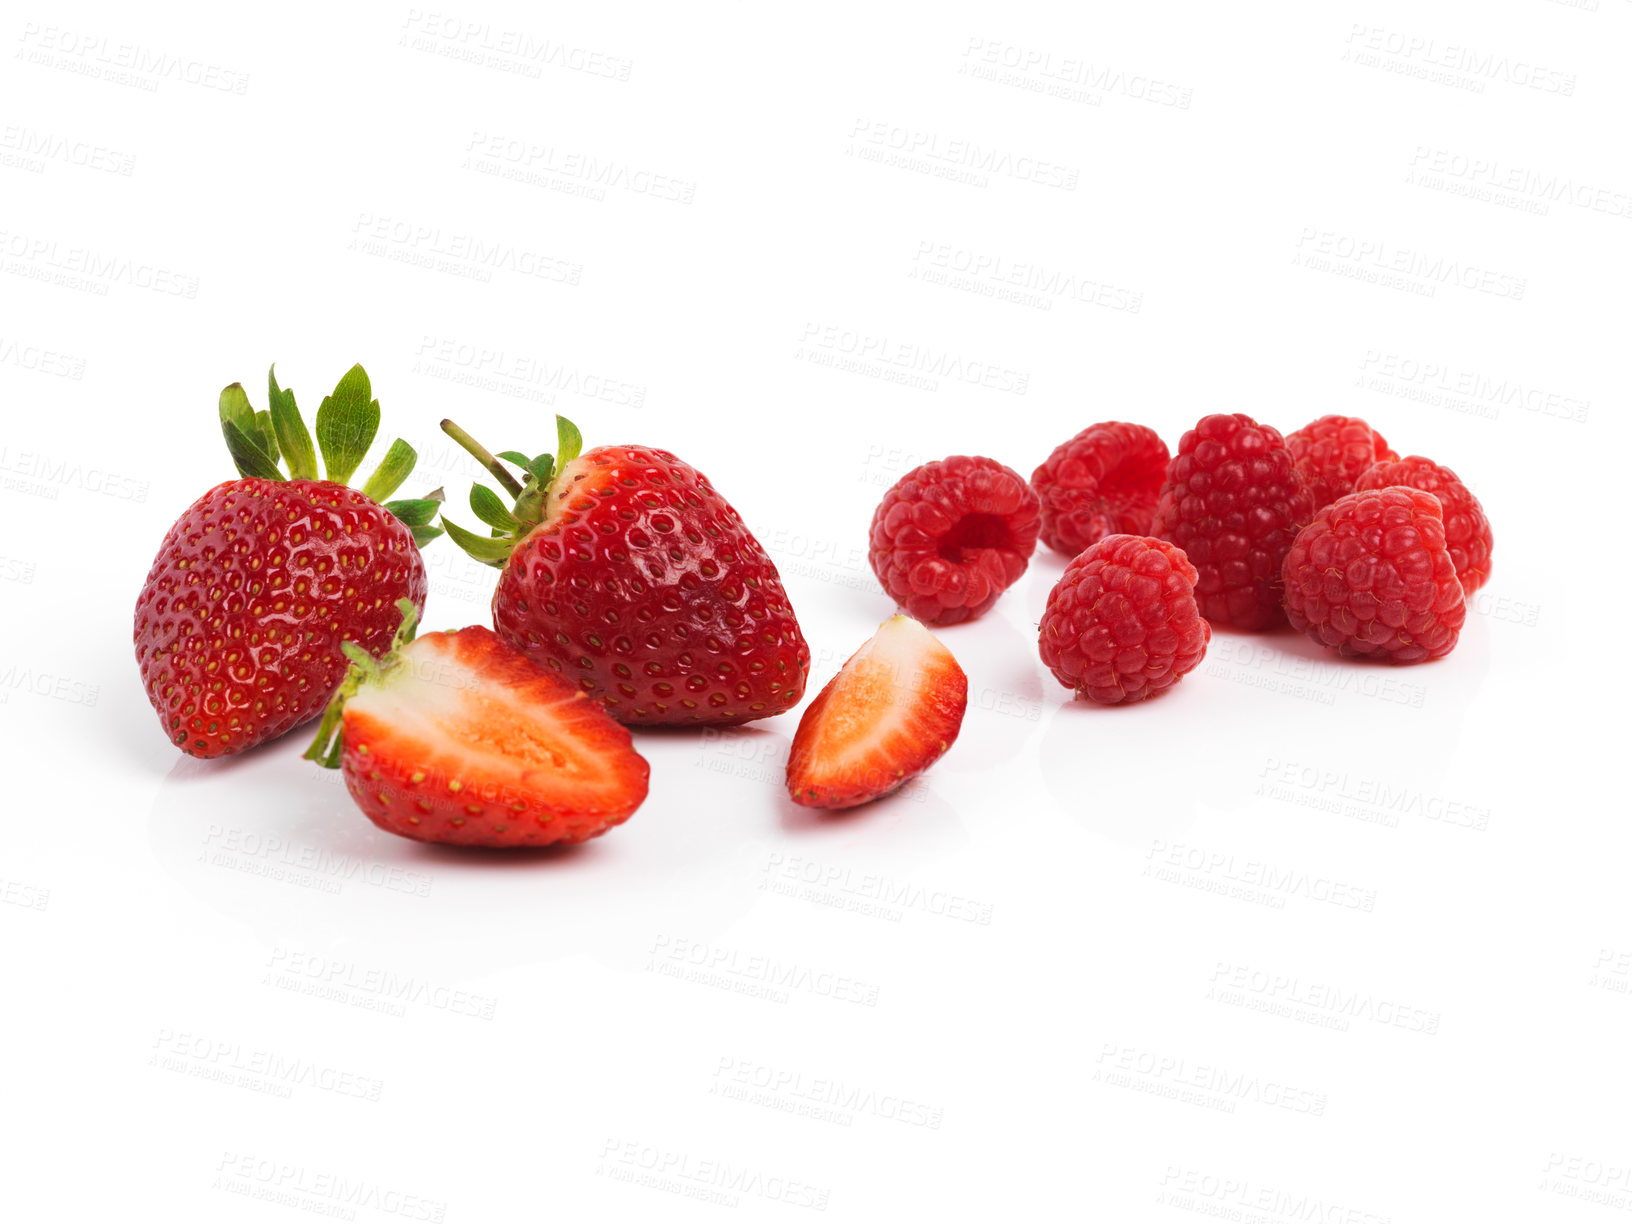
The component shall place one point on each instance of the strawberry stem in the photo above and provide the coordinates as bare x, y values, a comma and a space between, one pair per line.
483, 456
531, 494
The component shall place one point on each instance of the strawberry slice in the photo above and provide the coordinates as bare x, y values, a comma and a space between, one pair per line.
460, 738
892, 711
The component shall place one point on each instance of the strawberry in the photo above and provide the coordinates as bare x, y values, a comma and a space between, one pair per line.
892, 711
461, 738
627, 573
240, 620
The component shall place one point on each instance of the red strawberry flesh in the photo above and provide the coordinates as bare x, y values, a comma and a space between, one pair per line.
892, 711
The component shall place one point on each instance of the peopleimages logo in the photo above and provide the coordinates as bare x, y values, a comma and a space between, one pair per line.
535, 162
1373, 258
882, 136
1491, 178
1055, 72
1129, 1066
1471, 392
1416, 55
479, 42
124, 63
35, 148
77, 267
828, 1097
917, 361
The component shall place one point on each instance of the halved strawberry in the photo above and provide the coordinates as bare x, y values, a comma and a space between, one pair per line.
460, 738
892, 711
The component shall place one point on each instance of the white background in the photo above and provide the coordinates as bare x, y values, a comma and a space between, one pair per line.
1299, 940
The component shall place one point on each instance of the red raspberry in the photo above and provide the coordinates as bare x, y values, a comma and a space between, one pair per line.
1331, 453
1371, 577
952, 535
1233, 503
1121, 623
1467, 530
1101, 482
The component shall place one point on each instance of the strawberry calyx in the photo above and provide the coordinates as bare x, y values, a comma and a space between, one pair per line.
365, 669
530, 494
347, 421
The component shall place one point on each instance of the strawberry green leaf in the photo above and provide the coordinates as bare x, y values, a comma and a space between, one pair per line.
488, 550
542, 468
234, 406
247, 454
491, 510
294, 438
268, 439
516, 457
569, 442
393, 470
347, 421
529, 510
415, 511
243, 435
416, 514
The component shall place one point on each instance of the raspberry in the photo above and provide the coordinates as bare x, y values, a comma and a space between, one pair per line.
1467, 530
1102, 482
951, 535
1331, 453
1371, 577
1233, 503
1121, 623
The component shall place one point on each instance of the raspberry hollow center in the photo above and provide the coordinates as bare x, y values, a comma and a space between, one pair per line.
974, 534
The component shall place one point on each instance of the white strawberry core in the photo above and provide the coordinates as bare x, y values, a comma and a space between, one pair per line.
432, 697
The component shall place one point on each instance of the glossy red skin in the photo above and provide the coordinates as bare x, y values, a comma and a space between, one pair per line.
1467, 531
913, 542
1121, 624
239, 623
943, 700
646, 590
1104, 481
411, 788
1371, 578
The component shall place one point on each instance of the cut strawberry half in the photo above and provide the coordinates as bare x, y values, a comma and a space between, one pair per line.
460, 738
892, 711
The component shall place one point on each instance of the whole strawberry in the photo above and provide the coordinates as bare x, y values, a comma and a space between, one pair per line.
624, 571
239, 623
1233, 502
